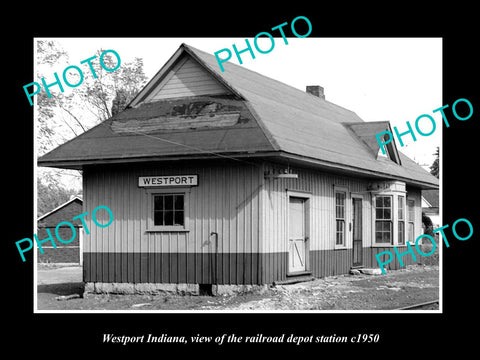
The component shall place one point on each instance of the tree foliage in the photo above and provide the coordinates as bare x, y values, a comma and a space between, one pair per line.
52, 195
111, 92
435, 167
67, 114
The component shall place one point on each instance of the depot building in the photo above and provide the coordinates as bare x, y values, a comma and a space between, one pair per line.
233, 178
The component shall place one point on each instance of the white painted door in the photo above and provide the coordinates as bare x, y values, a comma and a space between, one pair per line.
296, 237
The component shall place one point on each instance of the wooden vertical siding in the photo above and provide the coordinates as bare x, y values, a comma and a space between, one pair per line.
324, 258
226, 202
248, 212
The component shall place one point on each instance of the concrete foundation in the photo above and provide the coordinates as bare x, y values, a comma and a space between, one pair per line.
171, 289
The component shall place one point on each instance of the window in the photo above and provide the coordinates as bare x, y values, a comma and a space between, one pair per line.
340, 217
388, 150
168, 210
401, 220
383, 150
383, 219
411, 220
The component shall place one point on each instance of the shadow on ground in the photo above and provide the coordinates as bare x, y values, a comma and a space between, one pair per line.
61, 288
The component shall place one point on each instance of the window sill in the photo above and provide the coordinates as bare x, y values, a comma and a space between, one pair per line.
390, 245
173, 229
340, 247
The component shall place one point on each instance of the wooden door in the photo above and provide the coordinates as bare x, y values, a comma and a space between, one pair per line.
357, 232
297, 239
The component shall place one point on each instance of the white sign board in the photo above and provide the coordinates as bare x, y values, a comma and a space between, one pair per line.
168, 180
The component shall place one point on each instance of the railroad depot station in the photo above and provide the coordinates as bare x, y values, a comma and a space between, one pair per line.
234, 178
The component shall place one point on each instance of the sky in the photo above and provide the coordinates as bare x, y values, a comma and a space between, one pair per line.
394, 79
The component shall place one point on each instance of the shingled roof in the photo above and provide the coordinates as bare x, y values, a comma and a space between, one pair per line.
248, 114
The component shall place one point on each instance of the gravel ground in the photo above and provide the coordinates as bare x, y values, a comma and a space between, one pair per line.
411, 285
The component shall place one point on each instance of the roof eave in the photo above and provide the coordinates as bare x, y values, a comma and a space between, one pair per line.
79, 163
348, 169
301, 160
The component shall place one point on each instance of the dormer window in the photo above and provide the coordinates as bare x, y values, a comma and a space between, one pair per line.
389, 151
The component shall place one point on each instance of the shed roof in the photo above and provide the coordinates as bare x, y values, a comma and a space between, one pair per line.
256, 115
432, 197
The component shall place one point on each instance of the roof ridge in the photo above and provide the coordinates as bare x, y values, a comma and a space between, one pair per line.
242, 68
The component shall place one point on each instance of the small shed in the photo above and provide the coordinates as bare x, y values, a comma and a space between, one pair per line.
233, 179
70, 253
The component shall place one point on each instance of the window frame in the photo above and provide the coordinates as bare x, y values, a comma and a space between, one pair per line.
382, 221
401, 240
151, 193
345, 219
410, 221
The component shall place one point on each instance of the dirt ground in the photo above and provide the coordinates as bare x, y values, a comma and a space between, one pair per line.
411, 285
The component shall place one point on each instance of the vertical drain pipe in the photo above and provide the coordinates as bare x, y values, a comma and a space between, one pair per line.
216, 259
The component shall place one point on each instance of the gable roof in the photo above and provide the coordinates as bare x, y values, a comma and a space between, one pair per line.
255, 115
67, 210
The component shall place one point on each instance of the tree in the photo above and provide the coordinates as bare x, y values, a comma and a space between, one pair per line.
111, 92
51, 195
427, 223
67, 114
72, 112
49, 53
435, 167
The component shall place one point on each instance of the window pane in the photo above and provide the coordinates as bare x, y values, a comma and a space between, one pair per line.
387, 226
158, 202
383, 231
340, 198
179, 219
340, 205
340, 232
340, 212
178, 202
387, 214
410, 232
387, 201
401, 232
379, 214
168, 218
378, 202
158, 217
389, 232
386, 237
168, 202
400, 208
